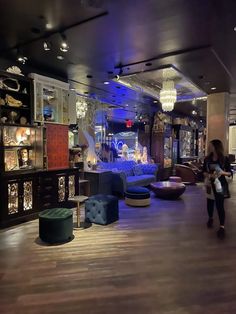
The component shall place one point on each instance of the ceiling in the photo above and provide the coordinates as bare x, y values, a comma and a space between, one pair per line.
120, 37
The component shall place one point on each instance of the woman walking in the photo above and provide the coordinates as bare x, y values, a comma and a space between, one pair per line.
216, 167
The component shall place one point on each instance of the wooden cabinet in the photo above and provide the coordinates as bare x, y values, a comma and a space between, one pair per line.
18, 197
24, 195
100, 181
56, 186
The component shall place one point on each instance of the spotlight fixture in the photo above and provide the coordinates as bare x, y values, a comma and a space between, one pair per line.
22, 59
106, 83
46, 45
213, 88
64, 45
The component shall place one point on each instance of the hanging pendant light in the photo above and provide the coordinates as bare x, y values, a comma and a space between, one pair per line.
168, 95
81, 108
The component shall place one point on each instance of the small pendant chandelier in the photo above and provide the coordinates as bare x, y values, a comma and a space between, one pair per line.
81, 108
168, 95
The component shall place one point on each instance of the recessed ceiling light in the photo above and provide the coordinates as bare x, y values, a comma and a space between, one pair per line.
235, 28
213, 88
194, 112
106, 82
72, 88
60, 57
155, 101
148, 64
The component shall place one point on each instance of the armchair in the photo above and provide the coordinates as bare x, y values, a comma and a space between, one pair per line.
186, 173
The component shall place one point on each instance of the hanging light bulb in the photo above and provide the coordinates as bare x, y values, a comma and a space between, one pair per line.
168, 95
64, 45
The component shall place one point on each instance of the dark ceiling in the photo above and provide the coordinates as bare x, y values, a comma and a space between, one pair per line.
122, 37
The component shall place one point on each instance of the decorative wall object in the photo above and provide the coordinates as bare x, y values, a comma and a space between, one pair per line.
27, 195
13, 199
71, 186
11, 101
11, 160
10, 84
61, 189
15, 70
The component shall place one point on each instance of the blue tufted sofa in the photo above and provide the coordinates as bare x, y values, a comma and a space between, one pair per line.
128, 173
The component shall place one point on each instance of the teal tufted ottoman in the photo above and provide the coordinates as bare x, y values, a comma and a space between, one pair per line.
102, 209
56, 225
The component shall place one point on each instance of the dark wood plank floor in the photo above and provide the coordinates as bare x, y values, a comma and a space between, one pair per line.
159, 259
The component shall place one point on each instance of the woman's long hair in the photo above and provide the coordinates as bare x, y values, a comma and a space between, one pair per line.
219, 149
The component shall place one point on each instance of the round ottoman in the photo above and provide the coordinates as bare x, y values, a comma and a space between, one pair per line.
175, 179
137, 196
168, 190
56, 225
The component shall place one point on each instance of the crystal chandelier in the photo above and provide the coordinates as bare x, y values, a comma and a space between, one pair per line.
168, 95
81, 108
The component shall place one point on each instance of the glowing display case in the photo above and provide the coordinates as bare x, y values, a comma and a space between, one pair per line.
51, 100
22, 148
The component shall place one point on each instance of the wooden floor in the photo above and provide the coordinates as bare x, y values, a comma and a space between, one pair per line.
160, 259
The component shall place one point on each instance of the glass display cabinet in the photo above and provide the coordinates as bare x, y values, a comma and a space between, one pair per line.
22, 147
185, 146
168, 146
51, 100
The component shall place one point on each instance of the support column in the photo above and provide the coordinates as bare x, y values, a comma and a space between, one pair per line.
218, 118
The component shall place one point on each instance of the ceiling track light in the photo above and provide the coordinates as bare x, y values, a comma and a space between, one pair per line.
64, 45
46, 45
21, 58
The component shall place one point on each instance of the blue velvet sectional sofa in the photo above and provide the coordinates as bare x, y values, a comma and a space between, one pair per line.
128, 173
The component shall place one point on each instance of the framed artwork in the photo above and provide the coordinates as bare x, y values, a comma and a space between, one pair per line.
11, 160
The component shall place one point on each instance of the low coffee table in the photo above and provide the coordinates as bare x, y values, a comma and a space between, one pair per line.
168, 190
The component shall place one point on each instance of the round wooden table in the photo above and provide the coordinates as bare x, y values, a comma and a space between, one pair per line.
168, 190
78, 199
